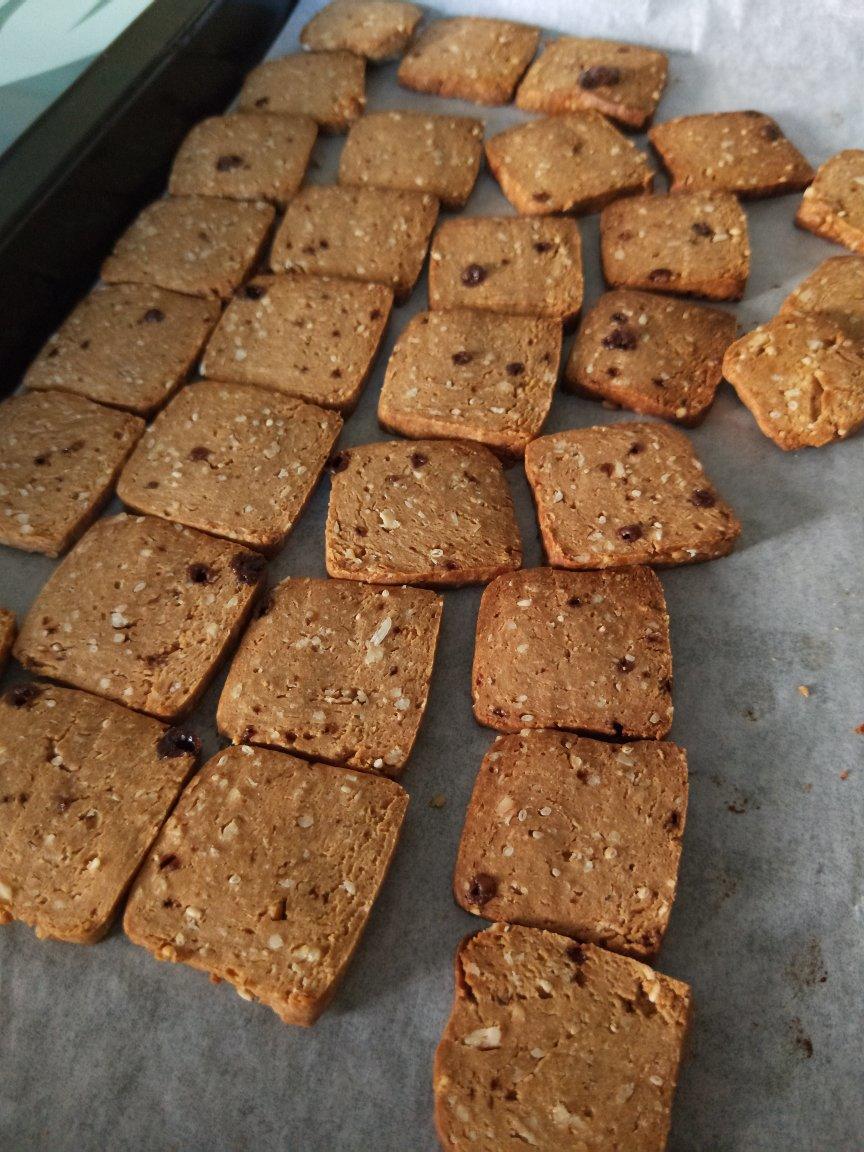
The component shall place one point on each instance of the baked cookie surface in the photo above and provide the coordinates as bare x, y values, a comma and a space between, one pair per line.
433, 512
311, 337
375, 29
626, 494
623, 81
280, 925
588, 651
834, 290
573, 163
328, 87
61, 455
557, 1046
232, 460
87, 785
653, 354
335, 670
469, 376
470, 58
8, 631
833, 205
689, 244
141, 612
518, 266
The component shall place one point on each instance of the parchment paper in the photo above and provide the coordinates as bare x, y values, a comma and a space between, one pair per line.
104, 1050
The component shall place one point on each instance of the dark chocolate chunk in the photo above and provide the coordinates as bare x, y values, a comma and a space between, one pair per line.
482, 888
599, 76
473, 275
229, 163
630, 532
176, 742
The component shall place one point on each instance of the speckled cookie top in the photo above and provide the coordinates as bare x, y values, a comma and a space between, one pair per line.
376, 29
834, 290
329, 87
833, 205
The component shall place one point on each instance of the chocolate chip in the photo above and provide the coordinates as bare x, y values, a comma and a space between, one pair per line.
673, 820
84, 345
169, 863
630, 532
576, 953
574, 602
338, 462
612, 371
482, 888
175, 742
542, 246
40, 459
462, 357
200, 573
624, 338
262, 101
658, 382
23, 696
153, 316
515, 369
660, 274
228, 163
473, 275
199, 453
375, 314
702, 498
599, 76
607, 468
635, 448
248, 567
418, 459
254, 291
702, 229
151, 484
770, 132
540, 197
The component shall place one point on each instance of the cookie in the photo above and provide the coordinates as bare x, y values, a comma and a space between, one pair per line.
587, 651
802, 377
8, 632
61, 455
833, 205
433, 512
464, 375
652, 354
310, 337
376, 29
574, 163
141, 612
373, 234
280, 925
328, 87
577, 836
193, 244
518, 266
87, 785
128, 345
232, 460
689, 244
557, 1046
335, 670
413, 152
470, 58
834, 290
623, 81
740, 152
244, 157
626, 494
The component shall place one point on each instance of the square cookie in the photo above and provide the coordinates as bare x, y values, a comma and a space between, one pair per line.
626, 494
372, 234
311, 337
335, 670
802, 377
689, 244
519, 266
582, 650
8, 631
464, 375
413, 152
470, 58
87, 786
328, 87
433, 512
193, 244
740, 152
280, 925
244, 157
833, 205
61, 455
128, 345
232, 460
557, 1045
141, 612
652, 354
623, 81
610, 817
574, 163
376, 29
834, 290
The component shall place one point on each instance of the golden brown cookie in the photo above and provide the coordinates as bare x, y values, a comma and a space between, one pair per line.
652, 354
433, 512
335, 670
802, 377
626, 494
232, 460
376, 29
623, 81
587, 651
557, 1046
833, 205
8, 631
834, 290
280, 925
87, 785
689, 243
470, 58
328, 87
575, 163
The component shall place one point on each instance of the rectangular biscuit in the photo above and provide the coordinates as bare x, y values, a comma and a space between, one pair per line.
8, 632
86, 787
328, 87
335, 670
375, 29
833, 206
588, 651
280, 925
834, 290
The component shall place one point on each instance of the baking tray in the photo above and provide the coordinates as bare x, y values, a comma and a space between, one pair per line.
103, 1048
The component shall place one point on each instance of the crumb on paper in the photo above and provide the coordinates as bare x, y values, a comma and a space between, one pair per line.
844, 775
438, 800
860, 729
804, 689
